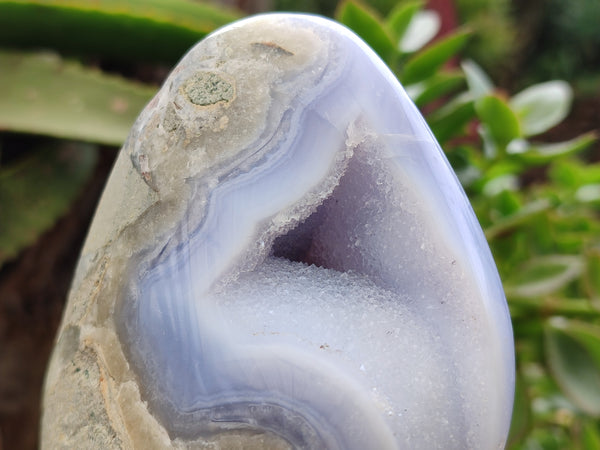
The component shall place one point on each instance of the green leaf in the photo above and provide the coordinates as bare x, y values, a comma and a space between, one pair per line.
573, 352
592, 274
573, 173
427, 62
500, 184
42, 94
536, 154
477, 80
37, 190
555, 305
590, 436
498, 119
588, 193
399, 18
542, 106
507, 203
435, 87
368, 26
466, 162
451, 120
565, 174
521, 418
544, 275
139, 30
423, 27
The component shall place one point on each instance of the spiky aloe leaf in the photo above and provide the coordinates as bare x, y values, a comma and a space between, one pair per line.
140, 30
43, 94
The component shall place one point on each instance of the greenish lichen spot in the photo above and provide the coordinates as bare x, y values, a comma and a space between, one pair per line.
208, 88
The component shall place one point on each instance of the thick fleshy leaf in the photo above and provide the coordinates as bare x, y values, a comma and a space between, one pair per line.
500, 184
435, 87
42, 94
422, 28
452, 118
368, 26
573, 352
588, 193
400, 17
590, 436
425, 63
571, 173
466, 162
521, 418
477, 80
592, 274
544, 275
506, 203
498, 119
144, 30
533, 153
37, 190
553, 306
542, 106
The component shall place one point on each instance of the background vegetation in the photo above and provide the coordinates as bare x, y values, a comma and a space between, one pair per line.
74, 74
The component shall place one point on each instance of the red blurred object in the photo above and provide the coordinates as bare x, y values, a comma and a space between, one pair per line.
447, 13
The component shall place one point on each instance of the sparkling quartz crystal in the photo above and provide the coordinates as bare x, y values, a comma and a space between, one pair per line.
282, 258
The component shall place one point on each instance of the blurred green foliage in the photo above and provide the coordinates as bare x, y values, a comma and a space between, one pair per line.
538, 202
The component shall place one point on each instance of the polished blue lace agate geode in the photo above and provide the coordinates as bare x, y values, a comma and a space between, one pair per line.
312, 269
